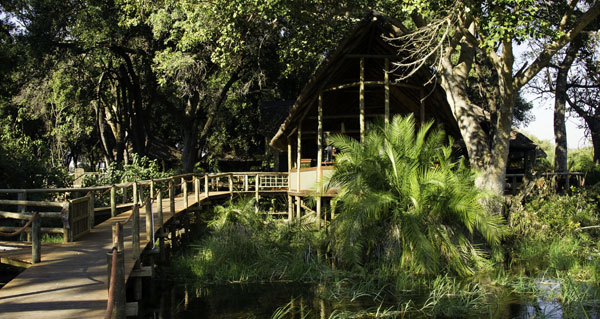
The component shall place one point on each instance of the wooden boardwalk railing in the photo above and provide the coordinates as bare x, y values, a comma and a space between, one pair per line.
70, 282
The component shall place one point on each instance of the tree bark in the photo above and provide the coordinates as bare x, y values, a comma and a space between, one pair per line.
560, 106
190, 137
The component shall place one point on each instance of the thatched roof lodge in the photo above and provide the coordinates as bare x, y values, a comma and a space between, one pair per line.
350, 88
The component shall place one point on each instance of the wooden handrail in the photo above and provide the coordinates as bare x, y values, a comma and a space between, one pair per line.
26, 215
31, 203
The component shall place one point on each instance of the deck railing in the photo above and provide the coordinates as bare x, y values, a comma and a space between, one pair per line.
514, 182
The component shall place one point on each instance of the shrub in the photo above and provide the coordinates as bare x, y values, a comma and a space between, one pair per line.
405, 201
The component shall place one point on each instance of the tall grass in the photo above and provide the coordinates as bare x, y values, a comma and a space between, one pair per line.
246, 246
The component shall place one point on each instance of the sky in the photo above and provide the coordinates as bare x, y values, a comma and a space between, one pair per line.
543, 125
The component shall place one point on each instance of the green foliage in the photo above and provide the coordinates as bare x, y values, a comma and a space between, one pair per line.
582, 160
549, 215
140, 168
549, 234
246, 246
23, 160
405, 201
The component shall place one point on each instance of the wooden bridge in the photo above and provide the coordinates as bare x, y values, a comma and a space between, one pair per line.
69, 280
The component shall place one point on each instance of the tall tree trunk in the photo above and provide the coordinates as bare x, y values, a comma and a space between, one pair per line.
488, 152
560, 106
594, 126
190, 137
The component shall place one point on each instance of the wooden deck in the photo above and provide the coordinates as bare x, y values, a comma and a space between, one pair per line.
71, 280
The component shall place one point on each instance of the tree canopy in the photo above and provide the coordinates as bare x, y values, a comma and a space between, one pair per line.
182, 82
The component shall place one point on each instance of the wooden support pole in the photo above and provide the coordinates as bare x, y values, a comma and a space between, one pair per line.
119, 311
161, 228
298, 207
65, 213
186, 226
149, 229
184, 190
135, 233
173, 233
298, 156
362, 100
91, 207
246, 182
289, 164
386, 79
36, 246
171, 198
113, 201
319, 156
21, 196
257, 188
137, 283
120, 242
135, 199
206, 186
333, 203
230, 181
197, 189
124, 199
151, 188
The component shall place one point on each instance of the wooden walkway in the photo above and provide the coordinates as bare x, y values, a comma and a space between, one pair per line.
71, 280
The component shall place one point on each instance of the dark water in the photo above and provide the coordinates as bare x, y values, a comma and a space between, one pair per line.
304, 301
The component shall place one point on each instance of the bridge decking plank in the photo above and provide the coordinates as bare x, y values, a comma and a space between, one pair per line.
70, 282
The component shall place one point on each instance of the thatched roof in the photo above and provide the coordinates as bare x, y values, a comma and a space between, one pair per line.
337, 68
340, 67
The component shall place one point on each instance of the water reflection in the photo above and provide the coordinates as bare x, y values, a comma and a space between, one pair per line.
296, 301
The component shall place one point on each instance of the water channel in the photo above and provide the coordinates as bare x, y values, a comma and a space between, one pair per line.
304, 301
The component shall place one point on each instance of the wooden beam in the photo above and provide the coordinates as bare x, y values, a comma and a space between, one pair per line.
290, 203
319, 154
298, 155
362, 100
369, 83
31, 203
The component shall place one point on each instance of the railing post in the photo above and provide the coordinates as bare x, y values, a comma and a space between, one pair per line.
91, 207
161, 229
124, 199
36, 251
184, 190
21, 209
206, 185
113, 201
119, 240
257, 186
65, 216
197, 189
149, 229
119, 295
135, 232
135, 193
256, 195
171, 197
151, 188
230, 180
246, 182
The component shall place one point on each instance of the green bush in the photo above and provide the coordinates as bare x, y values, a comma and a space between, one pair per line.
246, 246
550, 234
404, 200
140, 168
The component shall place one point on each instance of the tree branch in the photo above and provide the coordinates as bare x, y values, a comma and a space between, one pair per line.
552, 48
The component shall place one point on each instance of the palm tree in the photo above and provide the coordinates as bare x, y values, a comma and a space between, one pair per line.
405, 201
